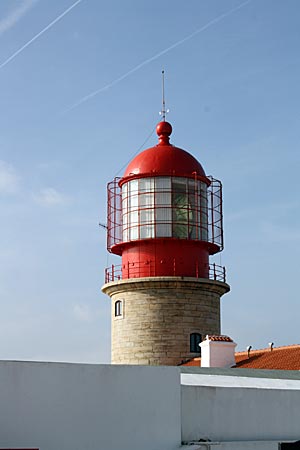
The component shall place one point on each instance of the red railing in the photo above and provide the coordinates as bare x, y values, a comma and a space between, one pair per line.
133, 270
198, 218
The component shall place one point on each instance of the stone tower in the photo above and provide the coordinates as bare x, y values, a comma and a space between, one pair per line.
165, 220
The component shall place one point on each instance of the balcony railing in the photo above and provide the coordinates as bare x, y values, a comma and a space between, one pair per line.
194, 214
133, 270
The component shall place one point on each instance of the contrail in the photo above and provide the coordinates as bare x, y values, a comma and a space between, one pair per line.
39, 34
156, 56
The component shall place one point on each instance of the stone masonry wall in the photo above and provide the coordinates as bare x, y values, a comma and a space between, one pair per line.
158, 316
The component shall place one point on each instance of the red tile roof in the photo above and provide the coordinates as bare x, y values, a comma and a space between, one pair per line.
195, 362
280, 358
221, 338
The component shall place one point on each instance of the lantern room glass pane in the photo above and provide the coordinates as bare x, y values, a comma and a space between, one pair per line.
125, 211
133, 202
125, 227
146, 216
163, 184
203, 219
133, 233
125, 190
146, 200
165, 207
133, 218
163, 199
133, 186
146, 185
180, 208
146, 231
163, 222
163, 212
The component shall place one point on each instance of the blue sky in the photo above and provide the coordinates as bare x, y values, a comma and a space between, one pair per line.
233, 93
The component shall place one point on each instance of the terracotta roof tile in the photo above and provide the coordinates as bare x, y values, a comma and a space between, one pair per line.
195, 362
280, 358
221, 338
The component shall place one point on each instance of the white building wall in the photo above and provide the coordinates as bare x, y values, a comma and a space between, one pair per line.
233, 408
53, 406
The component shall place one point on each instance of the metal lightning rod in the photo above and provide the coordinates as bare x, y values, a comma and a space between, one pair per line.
164, 111
163, 96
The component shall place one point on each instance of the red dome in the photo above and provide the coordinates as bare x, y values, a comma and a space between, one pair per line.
164, 158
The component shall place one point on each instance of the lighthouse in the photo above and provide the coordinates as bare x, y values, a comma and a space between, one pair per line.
164, 218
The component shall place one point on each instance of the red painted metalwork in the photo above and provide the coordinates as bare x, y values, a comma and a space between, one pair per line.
116, 227
164, 210
132, 270
164, 131
165, 159
185, 254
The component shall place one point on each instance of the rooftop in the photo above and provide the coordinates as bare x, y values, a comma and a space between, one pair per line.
279, 358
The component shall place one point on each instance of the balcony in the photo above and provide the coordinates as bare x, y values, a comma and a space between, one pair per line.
137, 270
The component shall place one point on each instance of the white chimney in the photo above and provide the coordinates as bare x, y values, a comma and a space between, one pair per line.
217, 351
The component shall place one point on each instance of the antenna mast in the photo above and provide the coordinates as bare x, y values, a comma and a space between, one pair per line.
164, 111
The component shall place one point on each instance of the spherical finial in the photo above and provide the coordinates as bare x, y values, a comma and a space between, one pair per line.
164, 130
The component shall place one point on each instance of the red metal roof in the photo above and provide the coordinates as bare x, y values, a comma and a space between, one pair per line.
164, 159
280, 358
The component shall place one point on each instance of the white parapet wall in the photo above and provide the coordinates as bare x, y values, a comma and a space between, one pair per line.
53, 406
57, 406
219, 407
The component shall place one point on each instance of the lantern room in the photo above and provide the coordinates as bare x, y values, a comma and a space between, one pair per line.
164, 215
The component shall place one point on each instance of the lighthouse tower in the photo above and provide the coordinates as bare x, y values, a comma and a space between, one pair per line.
164, 220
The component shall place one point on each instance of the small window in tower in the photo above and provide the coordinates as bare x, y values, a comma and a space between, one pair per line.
119, 308
195, 339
